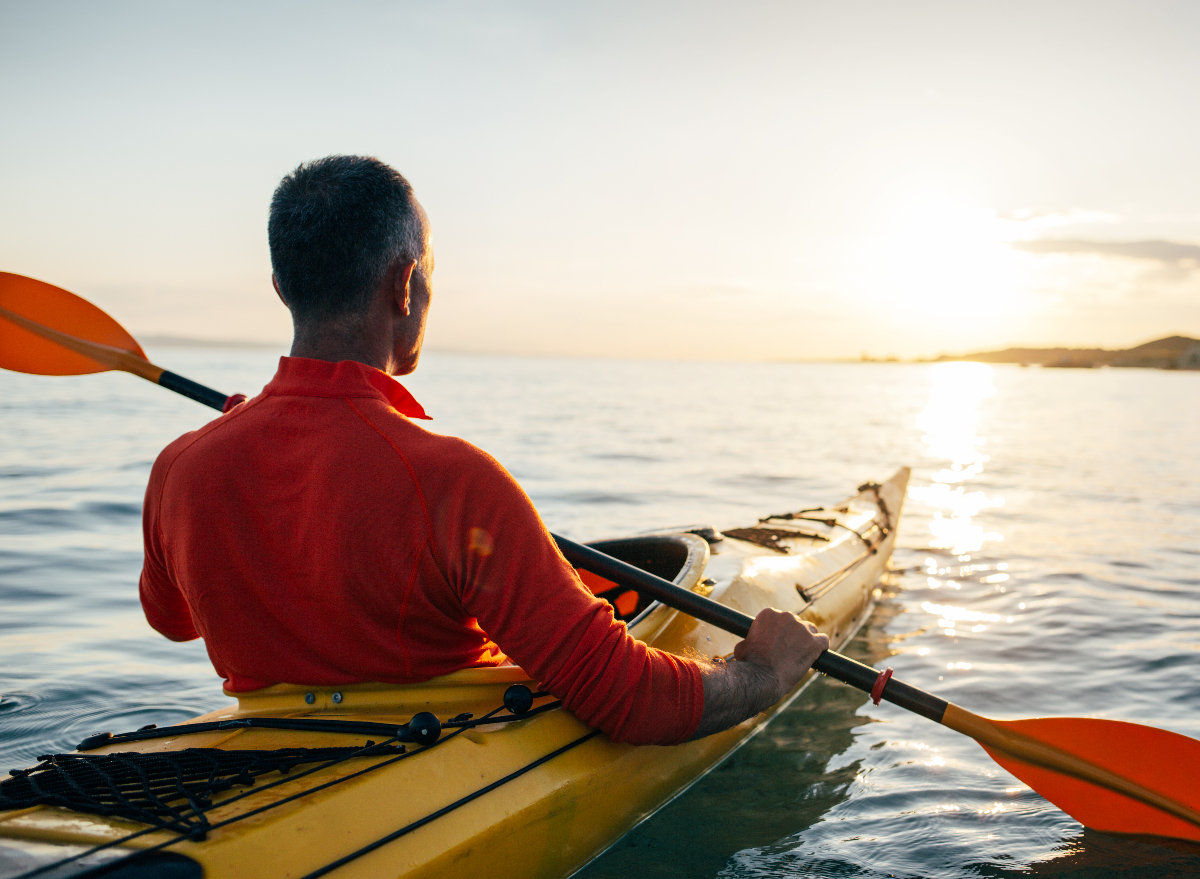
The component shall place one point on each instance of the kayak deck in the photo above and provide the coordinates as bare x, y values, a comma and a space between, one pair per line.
536, 796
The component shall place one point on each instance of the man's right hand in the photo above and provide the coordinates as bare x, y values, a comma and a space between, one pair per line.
778, 650
785, 643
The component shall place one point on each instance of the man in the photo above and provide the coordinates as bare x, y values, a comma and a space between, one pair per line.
316, 535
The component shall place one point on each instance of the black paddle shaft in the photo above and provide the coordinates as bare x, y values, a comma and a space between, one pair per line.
192, 390
833, 664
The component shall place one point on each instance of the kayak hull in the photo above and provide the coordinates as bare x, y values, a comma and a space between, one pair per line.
540, 796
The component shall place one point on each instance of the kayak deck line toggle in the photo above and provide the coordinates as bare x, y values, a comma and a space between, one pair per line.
423, 729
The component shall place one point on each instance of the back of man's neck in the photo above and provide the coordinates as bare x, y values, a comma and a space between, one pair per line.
335, 349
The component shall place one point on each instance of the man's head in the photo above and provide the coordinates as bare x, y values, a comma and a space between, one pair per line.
339, 229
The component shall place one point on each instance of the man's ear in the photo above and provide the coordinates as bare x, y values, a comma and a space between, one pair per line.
402, 290
278, 292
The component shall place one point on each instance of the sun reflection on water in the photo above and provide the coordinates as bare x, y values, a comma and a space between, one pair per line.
950, 612
950, 423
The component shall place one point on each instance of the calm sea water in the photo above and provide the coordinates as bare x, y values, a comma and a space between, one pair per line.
1047, 564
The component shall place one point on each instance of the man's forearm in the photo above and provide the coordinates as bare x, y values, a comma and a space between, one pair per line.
777, 652
734, 691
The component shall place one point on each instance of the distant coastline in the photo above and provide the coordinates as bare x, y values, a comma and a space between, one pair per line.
1172, 352
189, 342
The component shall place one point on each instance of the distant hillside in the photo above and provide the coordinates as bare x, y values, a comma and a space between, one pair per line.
1173, 352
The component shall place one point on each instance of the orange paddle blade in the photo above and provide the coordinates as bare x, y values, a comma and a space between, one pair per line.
24, 350
1162, 762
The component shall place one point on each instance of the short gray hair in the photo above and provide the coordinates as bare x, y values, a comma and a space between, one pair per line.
336, 225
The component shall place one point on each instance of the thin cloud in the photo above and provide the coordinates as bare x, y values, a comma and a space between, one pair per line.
1167, 253
1069, 217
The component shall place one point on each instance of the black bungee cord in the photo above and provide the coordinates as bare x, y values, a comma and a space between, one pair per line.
518, 700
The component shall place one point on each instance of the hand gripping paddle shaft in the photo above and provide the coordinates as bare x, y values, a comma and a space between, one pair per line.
833, 664
1109, 775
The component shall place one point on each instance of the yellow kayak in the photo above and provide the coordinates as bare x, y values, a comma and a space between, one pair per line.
473, 773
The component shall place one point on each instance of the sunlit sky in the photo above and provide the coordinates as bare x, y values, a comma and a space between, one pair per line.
749, 180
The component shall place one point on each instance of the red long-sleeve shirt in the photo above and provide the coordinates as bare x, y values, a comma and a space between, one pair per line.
316, 535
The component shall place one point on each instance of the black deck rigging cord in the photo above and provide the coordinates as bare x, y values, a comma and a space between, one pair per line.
516, 698
170, 790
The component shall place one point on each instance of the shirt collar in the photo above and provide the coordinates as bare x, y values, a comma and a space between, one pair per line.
345, 378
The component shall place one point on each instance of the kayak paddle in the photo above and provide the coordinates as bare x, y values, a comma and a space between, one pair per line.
45, 330
1109, 775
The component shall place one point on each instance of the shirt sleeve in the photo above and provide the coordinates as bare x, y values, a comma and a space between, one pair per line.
509, 574
164, 604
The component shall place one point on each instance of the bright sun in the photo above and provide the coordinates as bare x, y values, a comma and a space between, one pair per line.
944, 264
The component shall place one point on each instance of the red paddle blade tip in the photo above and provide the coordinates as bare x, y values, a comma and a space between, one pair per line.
1163, 762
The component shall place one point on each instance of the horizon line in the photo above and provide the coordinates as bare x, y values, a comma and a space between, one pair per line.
176, 341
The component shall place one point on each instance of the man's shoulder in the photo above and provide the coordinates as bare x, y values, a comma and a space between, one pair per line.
192, 443
416, 439
434, 455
